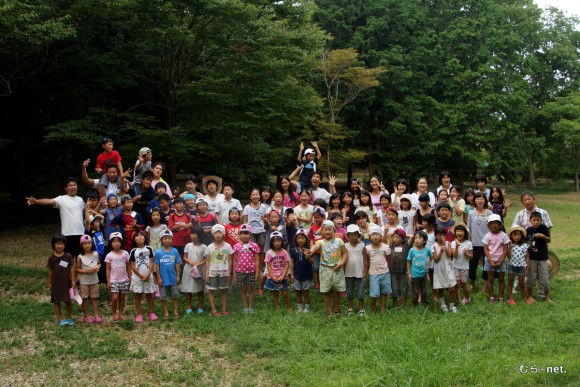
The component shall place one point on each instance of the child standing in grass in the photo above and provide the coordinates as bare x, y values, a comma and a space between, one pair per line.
218, 268
357, 268
141, 260
194, 257
418, 261
462, 252
495, 247
333, 257
246, 260
539, 237
118, 272
398, 265
519, 261
380, 278
61, 278
88, 265
278, 263
167, 264
443, 274
301, 267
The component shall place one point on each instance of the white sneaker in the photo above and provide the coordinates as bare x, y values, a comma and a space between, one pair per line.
350, 312
454, 309
299, 308
444, 308
465, 301
306, 308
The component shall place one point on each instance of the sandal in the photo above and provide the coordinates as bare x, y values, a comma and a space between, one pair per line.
491, 300
225, 313
216, 314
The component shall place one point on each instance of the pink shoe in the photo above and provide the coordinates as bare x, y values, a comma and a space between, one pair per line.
88, 320
512, 302
153, 317
139, 319
225, 313
98, 319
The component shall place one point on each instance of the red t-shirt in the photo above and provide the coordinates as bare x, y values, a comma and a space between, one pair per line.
313, 228
233, 234
181, 236
103, 159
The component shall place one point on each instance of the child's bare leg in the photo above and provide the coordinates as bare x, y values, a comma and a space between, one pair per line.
224, 298
395, 299
501, 284
250, 293
164, 307
211, 298
176, 307
452, 295
138, 303
361, 304
57, 311
188, 300
121, 304
327, 301
149, 297
383, 302
510, 289
350, 303
262, 281
286, 299
68, 306
276, 298
523, 288
435, 298
95, 305
85, 307
316, 279
466, 291
114, 302
307, 297
373, 304
200, 300
336, 301
244, 294
489, 283
299, 297
531, 299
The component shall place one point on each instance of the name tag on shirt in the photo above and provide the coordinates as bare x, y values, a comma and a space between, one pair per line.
63, 264
398, 249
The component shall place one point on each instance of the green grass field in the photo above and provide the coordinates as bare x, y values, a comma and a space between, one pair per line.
481, 345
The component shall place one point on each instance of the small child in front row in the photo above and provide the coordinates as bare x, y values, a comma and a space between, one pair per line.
380, 278
141, 260
443, 273
167, 269
398, 265
495, 247
333, 257
218, 269
356, 270
246, 261
538, 237
519, 261
118, 272
194, 257
88, 265
301, 268
278, 263
418, 262
61, 278
462, 251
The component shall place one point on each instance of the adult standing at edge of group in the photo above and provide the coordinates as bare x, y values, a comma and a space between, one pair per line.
422, 188
157, 169
522, 218
71, 208
376, 190
444, 182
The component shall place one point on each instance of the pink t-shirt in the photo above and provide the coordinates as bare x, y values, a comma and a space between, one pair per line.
495, 244
245, 257
288, 203
278, 262
118, 266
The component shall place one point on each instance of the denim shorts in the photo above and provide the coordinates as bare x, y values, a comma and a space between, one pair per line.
517, 270
380, 284
276, 286
501, 269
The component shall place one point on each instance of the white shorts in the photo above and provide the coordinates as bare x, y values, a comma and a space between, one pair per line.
140, 286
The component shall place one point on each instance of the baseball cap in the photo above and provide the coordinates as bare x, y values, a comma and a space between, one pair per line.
353, 228
494, 218
319, 210
143, 151
328, 223
246, 228
200, 200
276, 234
165, 233
116, 234
309, 151
85, 238
218, 228
302, 231
400, 232
124, 198
376, 229
105, 140
189, 196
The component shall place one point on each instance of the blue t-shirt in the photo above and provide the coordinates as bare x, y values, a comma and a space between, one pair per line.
166, 261
419, 260
302, 268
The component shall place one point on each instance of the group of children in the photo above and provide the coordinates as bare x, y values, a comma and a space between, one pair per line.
195, 243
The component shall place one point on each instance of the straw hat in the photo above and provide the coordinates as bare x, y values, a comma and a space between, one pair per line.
207, 179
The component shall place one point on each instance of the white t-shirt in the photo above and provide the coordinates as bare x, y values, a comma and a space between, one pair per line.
223, 209
213, 203
355, 264
415, 200
71, 214
321, 193
462, 261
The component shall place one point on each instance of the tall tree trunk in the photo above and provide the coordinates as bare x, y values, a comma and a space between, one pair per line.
576, 187
531, 175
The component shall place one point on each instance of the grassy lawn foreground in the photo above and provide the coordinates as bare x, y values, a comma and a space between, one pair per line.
482, 345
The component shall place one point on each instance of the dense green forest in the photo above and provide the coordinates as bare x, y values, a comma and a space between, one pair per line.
232, 87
